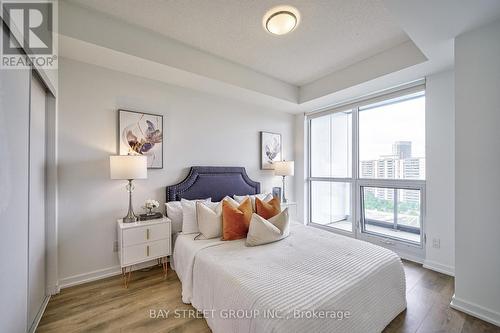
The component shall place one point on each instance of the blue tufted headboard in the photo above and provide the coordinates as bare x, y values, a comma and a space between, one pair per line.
213, 182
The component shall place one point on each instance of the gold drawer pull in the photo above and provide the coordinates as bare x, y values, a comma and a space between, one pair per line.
147, 234
147, 250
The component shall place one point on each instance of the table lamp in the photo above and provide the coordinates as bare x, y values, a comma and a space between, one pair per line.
284, 168
129, 167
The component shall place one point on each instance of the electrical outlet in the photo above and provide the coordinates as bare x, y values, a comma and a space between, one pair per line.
115, 246
436, 243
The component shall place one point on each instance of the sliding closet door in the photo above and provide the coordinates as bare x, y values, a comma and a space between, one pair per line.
14, 136
37, 248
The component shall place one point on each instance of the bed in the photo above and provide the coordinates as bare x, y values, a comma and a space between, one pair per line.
313, 281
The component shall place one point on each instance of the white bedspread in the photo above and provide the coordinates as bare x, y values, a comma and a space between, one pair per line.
185, 251
277, 287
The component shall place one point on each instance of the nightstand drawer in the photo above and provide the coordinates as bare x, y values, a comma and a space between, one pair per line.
143, 252
145, 234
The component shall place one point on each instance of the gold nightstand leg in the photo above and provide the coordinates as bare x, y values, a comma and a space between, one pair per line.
126, 277
165, 268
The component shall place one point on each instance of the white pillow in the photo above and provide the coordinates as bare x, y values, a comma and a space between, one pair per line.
174, 213
209, 217
262, 231
189, 223
233, 202
262, 196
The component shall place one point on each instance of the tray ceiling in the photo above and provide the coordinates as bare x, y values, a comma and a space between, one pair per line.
332, 35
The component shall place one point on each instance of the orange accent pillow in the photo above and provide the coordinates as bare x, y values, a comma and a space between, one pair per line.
267, 209
235, 220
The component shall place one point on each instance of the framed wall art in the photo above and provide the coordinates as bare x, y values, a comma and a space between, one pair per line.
270, 149
141, 133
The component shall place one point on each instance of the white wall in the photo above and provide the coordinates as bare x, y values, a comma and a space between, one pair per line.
440, 172
200, 129
477, 101
301, 166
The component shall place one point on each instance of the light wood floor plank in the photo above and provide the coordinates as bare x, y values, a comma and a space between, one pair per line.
105, 306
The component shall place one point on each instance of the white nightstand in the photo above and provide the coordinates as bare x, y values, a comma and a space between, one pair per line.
292, 209
143, 241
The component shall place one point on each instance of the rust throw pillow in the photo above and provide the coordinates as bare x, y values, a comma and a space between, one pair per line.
267, 209
236, 219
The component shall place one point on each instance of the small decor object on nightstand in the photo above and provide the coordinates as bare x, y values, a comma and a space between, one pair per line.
284, 168
150, 205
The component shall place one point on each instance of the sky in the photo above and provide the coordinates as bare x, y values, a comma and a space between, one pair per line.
380, 127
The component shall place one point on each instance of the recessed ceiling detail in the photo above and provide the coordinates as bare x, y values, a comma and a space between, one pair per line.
331, 35
170, 42
281, 20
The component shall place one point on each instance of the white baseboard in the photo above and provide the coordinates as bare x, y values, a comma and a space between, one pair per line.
53, 290
476, 310
99, 274
409, 257
435, 266
39, 315
89, 277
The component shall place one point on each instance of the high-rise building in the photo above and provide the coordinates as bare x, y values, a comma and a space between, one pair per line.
400, 165
401, 149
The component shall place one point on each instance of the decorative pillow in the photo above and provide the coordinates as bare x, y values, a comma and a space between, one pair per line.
262, 231
231, 201
267, 209
174, 213
189, 223
235, 219
261, 196
209, 217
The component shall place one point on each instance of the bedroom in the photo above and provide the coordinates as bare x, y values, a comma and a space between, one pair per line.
370, 128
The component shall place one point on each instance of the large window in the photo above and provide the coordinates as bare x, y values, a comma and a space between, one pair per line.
367, 164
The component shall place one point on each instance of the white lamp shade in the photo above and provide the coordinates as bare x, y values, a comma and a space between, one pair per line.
284, 168
128, 167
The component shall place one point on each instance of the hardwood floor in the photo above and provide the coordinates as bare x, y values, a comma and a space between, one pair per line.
105, 306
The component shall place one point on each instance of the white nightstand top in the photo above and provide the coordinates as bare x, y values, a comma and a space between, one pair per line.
139, 224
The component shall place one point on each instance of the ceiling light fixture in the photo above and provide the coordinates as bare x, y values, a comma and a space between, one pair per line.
281, 20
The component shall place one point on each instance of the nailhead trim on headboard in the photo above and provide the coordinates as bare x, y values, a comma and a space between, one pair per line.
174, 192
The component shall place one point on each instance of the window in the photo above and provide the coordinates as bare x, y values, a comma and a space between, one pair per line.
392, 138
331, 204
331, 170
331, 145
367, 164
392, 213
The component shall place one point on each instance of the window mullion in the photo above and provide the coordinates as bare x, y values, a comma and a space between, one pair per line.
356, 201
395, 195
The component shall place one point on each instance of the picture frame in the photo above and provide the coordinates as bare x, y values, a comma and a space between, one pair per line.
270, 149
277, 193
141, 133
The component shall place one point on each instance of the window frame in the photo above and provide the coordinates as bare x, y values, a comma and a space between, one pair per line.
416, 185
357, 183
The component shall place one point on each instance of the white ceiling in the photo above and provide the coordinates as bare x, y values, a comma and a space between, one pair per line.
350, 50
332, 35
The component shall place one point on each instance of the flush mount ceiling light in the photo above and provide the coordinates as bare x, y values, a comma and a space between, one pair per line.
281, 20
